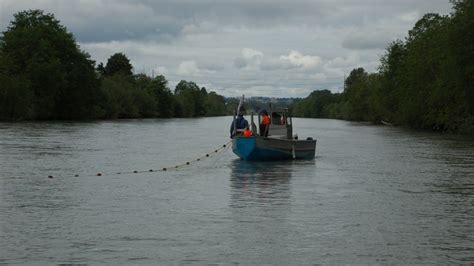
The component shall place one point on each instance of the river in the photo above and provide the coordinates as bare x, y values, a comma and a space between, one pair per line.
372, 195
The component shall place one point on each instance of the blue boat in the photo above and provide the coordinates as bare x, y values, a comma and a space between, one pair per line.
276, 142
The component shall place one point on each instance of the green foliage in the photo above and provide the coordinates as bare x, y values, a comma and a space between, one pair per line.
392, 70
356, 94
461, 38
15, 95
100, 69
117, 64
119, 97
316, 105
215, 104
45, 75
191, 99
425, 82
142, 96
157, 90
357, 75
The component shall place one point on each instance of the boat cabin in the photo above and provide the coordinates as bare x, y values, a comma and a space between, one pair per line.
281, 124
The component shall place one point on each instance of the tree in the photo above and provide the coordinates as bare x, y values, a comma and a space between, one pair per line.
100, 69
157, 89
15, 95
162, 93
392, 70
192, 99
118, 63
356, 94
356, 75
316, 104
427, 23
120, 99
58, 78
215, 104
461, 37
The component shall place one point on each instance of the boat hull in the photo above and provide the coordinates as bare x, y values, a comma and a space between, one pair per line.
257, 148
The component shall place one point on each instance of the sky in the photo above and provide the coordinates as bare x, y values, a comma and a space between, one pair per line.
268, 48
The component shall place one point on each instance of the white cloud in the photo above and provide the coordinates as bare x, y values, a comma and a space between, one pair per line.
249, 59
251, 54
191, 68
299, 60
188, 68
254, 59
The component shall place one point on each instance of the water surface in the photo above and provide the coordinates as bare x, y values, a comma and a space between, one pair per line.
372, 195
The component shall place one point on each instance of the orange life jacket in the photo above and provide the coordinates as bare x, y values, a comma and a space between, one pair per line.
265, 120
247, 133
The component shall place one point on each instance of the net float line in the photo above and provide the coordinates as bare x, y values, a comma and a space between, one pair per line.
221, 148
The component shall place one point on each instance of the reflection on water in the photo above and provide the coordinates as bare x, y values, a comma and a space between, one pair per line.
260, 204
263, 174
260, 183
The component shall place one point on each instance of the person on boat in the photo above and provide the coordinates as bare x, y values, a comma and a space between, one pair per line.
265, 124
240, 124
247, 132
282, 120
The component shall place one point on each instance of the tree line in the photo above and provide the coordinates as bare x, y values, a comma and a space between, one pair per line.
45, 75
425, 81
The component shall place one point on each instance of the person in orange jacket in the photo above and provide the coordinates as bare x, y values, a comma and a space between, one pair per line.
247, 132
265, 124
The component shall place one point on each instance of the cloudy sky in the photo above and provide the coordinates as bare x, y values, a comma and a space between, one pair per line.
256, 47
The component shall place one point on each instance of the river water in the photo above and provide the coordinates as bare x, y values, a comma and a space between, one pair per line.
373, 194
